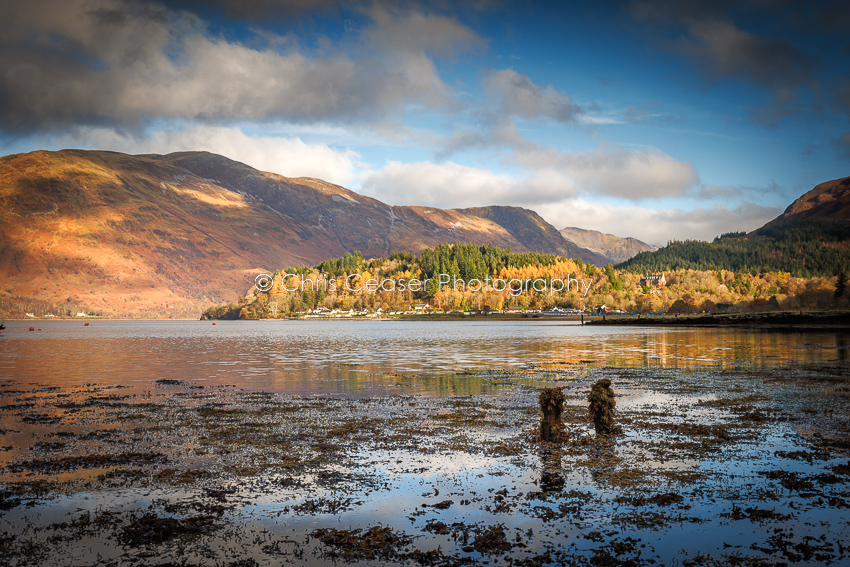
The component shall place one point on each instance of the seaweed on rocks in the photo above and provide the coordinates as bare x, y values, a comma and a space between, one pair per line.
551, 421
601, 408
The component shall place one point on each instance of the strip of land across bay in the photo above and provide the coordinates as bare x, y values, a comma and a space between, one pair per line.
832, 319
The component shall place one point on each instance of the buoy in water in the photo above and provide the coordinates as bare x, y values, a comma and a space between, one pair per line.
86, 325
32, 328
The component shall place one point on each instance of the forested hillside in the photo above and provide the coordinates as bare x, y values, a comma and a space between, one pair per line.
806, 248
466, 277
811, 238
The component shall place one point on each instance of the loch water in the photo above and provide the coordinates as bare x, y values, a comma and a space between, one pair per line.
362, 358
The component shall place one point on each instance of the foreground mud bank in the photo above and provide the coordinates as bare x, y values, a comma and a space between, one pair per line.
711, 467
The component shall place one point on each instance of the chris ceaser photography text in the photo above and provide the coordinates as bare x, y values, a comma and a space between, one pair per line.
355, 283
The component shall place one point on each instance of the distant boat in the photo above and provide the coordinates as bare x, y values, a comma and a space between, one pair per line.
2, 326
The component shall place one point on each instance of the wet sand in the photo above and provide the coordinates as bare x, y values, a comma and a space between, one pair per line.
717, 466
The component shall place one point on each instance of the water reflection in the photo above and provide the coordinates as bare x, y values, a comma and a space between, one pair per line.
374, 357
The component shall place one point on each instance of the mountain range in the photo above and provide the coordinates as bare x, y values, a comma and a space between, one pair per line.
168, 235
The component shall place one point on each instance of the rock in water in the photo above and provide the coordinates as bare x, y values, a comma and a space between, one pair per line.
601, 408
552, 406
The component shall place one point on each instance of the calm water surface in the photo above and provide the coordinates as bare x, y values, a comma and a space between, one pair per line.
370, 357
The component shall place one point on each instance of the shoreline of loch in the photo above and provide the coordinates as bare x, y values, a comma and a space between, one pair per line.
770, 320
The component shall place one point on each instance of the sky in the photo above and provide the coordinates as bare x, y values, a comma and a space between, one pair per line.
657, 119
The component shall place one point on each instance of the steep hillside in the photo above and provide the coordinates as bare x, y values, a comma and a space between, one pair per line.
614, 248
827, 201
125, 235
158, 236
536, 234
811, 238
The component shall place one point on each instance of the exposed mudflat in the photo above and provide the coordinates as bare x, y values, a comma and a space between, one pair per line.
709, 467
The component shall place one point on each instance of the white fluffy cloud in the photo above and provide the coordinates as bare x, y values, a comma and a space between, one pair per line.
657, 226
288, 156
614, 171
449, 185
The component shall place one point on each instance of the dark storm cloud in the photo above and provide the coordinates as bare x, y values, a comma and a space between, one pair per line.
843, 145
781, 46
262, 10
259, 9
842, 99
120, 63
720, 49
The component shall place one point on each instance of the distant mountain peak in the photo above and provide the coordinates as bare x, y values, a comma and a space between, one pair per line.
528, 227
614, 249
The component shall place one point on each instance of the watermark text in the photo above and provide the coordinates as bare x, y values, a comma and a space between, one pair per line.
357, 283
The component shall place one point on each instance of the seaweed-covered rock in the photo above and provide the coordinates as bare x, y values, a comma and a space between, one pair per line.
552, 406
601, 407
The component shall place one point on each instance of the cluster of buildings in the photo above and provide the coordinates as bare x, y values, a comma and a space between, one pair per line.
647, 281
653, 280
327, 312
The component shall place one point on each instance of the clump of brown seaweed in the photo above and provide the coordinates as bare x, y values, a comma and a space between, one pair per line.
351, 545
601, 407
551, 422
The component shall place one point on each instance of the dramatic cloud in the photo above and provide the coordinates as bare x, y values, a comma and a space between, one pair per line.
331, 89
721, 48
656, 226
512, 96
613, 171
120, 63
260, 9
